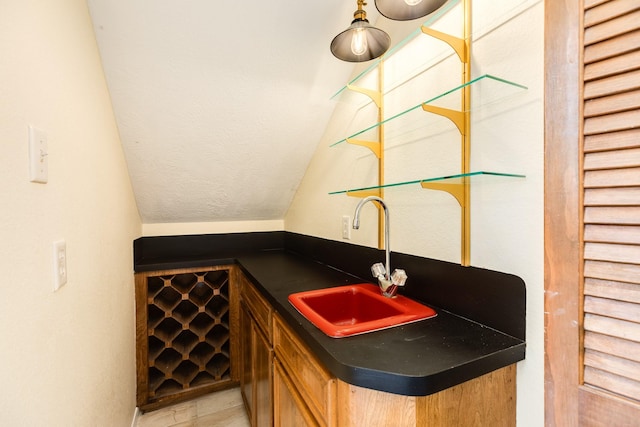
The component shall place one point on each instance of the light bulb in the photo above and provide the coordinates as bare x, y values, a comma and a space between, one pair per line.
412, 2
359, 41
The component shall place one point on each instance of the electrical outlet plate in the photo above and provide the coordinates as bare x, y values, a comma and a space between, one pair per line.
346, 227
59, 264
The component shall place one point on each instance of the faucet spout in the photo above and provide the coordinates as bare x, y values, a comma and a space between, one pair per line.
384, 278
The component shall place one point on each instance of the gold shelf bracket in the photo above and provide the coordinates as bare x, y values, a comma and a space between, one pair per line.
374, 146
364, 193
457, 117
456, 190
374, 95
459, 45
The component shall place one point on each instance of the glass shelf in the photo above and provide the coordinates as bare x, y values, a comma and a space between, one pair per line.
458, 179
346, 95
490, 89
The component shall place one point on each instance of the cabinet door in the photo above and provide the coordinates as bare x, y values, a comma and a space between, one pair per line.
262, 362
255, 373
313, 383
289, 409
246, 357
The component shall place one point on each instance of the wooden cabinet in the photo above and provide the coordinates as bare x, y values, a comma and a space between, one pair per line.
489, 400
256, 355
289, 408
283, 384
246, 358
306, 394
311, 387
184, 344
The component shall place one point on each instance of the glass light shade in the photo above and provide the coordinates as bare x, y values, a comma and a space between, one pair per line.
405, 10
360, 42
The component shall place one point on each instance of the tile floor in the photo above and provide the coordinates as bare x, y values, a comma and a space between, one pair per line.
220, 409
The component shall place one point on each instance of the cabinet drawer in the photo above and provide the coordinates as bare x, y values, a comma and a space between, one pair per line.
314, 383
258, 306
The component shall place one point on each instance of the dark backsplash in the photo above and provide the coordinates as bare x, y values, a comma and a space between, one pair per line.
153, 249
491, 298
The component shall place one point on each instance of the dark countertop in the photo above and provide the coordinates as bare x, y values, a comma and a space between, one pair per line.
416, 359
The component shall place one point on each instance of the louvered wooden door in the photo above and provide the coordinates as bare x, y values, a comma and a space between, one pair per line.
592, 213
611, 230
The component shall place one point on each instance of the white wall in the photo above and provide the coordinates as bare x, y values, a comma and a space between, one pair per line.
507, 136
185, 228
67, 358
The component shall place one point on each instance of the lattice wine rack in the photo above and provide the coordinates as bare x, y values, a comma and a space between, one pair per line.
187, 333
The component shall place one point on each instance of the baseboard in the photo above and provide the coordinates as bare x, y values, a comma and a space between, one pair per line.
136, 414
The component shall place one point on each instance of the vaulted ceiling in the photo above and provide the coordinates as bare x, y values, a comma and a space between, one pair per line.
220, 104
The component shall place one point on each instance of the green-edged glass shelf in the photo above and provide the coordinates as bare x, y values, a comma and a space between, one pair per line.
491, 89
344, 94
458, 179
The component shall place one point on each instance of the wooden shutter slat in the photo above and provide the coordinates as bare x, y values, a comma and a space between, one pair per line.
611, 382
612, 47
616, 65
610, 289
612, 252
611, 28
628, 177
612, 215
616, 365
625, 101
612, 122
612, 345
612, 159
607, 10
614, 327
593, 3
612, 196
622, 310
629, 273
612, 141
611, 85
612, 234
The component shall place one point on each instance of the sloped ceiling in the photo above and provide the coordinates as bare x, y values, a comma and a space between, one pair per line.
220, 104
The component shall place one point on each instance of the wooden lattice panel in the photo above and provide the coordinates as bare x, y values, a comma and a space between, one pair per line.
187, 332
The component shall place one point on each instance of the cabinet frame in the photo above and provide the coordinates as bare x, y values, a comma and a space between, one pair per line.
256, 353
199, 322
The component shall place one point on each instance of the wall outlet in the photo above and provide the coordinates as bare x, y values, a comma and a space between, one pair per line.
59, 264
346, 227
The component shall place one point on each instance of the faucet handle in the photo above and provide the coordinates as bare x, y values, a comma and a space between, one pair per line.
398, 277
378, 270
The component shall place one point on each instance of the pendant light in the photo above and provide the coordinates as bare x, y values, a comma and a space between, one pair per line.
361, 41
405, 10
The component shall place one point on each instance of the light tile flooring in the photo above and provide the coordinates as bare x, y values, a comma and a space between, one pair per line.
220, 409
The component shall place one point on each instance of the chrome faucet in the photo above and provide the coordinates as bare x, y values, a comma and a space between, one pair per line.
388, 282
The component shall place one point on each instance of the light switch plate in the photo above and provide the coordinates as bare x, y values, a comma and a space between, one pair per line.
59, 264
38, 156
346, 227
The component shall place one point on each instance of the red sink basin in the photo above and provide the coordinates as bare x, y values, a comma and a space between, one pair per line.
356, 309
